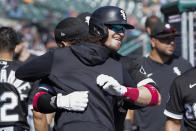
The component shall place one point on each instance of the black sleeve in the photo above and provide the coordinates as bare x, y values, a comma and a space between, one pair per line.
128, 81
36, 68
174, 107
46, 103
133, 66
32, 92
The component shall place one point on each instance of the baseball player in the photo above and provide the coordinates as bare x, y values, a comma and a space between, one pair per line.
162, 65
79, 70
181, 104
15, 95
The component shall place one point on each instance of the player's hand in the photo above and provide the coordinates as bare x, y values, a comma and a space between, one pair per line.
110, 85
75, 101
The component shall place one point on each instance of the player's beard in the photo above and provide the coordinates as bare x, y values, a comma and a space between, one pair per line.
164, 53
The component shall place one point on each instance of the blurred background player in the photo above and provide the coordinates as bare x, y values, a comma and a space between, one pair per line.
162, 65
181, 104
14, 115
21, 53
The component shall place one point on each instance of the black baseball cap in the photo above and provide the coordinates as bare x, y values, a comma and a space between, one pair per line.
69, 29
161, 30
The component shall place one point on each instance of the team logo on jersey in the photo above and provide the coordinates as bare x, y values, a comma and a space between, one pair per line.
192, 85
123, 14
177, 71
142, 70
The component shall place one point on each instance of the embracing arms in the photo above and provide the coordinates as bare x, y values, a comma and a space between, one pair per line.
146, 95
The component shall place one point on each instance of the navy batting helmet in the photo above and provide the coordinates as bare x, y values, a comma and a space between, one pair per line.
107, 15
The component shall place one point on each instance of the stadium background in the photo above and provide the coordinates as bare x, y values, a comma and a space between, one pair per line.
36, 19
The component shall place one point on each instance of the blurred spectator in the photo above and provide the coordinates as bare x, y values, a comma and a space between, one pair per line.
21, 52
28, 1
50, 43
15, 11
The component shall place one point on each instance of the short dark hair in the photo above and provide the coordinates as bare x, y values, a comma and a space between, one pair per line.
151, 21
159, 29
8, 39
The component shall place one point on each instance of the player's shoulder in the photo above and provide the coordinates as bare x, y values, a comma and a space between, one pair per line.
60, 53
11, 64
6, 87
179, 59
131, 59
131, 62
189, 74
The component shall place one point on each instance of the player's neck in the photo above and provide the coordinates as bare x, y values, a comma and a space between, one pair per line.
158, 58
6, 56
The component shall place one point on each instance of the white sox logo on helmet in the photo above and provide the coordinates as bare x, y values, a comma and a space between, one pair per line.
87, 19
123, 14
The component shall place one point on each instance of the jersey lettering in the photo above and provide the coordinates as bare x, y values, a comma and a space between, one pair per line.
11, 79
5, 107
190, 111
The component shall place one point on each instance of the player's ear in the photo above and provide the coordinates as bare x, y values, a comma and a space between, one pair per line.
153, 42
63, 43
148, 30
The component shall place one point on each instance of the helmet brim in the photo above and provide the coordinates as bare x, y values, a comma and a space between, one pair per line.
125, 24
128, 26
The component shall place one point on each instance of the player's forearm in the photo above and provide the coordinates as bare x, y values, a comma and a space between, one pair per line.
40, 121
172, 125
146, 95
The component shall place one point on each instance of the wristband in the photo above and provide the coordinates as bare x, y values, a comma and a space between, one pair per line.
132, 94
154, 93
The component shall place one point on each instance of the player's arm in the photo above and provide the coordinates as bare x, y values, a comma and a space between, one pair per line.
36, 68
174, 107
136, 72
146, 95
46, 102
40, 121
172, 124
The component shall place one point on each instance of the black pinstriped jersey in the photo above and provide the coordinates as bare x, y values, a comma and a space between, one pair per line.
163, 75
133, 65
182, 101
13, 109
